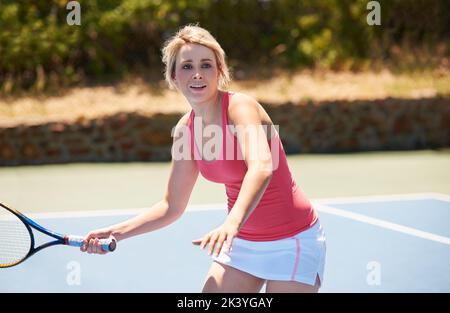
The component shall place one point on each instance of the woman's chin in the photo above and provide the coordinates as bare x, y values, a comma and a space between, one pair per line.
198, 95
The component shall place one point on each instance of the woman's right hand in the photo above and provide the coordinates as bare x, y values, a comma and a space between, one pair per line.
92, 241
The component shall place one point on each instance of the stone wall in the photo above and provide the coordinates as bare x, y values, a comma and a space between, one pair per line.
336, 126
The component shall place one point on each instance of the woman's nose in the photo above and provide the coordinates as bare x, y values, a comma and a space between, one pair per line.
197, 75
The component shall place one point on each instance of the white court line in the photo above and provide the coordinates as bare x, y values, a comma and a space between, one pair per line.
222, 206
319, 204
381, 198
383, 224
441, 196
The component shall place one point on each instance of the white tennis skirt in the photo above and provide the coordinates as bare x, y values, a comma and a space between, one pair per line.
298, 258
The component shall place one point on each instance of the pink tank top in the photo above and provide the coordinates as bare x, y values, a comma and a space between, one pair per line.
283, 210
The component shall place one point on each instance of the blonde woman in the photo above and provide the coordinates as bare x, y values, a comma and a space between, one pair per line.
272, 234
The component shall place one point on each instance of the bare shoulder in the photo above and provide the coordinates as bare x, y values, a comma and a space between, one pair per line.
239, 100
243, 105
245, 108
182, 123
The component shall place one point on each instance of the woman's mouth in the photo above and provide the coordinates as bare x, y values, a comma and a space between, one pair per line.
197, 87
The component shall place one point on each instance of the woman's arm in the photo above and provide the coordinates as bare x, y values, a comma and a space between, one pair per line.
182, 178
244, 113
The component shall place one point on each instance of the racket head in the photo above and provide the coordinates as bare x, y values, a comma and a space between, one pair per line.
16, 237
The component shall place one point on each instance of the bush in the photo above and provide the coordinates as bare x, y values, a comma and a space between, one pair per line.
39, 49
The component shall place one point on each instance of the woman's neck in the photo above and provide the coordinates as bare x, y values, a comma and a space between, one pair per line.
209, 111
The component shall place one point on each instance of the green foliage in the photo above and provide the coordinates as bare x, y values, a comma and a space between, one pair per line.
39, 49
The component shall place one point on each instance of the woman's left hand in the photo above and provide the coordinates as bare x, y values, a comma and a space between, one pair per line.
218, 237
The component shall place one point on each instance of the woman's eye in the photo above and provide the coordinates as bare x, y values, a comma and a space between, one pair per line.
189, 66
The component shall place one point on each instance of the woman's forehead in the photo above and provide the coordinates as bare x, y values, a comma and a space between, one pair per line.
194, 52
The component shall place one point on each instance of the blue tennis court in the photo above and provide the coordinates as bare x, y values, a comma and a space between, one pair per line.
374, 244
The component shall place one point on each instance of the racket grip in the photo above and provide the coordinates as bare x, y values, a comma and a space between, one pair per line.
108, 244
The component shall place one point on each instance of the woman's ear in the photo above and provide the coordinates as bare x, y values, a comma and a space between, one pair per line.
219, 71
174, 80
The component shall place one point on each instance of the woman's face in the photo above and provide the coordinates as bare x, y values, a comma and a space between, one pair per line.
196, 73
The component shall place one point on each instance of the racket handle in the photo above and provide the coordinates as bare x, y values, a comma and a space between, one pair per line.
108, 244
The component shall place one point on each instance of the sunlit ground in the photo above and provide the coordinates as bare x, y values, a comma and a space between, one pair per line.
136, 94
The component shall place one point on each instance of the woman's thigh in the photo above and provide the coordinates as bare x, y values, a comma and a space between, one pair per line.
224, 278
274, 286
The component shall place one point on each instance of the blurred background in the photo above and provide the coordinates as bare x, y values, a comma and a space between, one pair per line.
284, 50
334, 83
119, 39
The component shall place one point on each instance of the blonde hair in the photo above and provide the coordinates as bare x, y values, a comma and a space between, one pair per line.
197, 35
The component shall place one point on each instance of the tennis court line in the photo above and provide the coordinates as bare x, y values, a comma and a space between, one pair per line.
319, 205
383, 224
222, 206
381, 198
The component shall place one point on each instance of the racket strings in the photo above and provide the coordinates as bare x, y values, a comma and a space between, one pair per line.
15, 240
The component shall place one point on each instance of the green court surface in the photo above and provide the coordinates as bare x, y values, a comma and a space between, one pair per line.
110, 186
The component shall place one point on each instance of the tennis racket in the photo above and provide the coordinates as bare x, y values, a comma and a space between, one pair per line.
17, 240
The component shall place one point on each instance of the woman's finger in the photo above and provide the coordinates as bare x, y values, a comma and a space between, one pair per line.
91, 244
95, 248
229, 242
205, 241
212, 242
220, 242
98, 247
